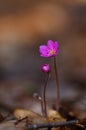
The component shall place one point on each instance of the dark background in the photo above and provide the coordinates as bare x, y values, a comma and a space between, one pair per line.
24, 25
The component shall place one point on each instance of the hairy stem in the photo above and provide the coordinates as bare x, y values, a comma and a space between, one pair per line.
57, 82
44, 97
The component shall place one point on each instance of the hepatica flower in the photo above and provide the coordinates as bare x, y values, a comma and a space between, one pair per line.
45, 68
49, 50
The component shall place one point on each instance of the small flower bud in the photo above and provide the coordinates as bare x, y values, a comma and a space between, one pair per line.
45, 68
36, 95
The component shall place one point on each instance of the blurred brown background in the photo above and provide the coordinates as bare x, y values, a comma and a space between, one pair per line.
24, 25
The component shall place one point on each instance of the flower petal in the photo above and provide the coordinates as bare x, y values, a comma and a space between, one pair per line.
55, 45
43, 50
50, 44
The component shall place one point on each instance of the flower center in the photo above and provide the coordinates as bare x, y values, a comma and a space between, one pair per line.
52, 52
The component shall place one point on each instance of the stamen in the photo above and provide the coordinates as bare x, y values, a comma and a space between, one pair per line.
52, 52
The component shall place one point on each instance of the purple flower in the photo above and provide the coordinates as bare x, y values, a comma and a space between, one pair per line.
49, 50
45, 68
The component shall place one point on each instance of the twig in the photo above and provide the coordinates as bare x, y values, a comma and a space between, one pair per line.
52, 124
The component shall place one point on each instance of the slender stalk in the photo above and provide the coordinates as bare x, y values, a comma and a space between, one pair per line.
57, 82
44, 97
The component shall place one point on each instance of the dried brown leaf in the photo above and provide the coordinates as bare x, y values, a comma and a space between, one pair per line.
32, 116
54, 116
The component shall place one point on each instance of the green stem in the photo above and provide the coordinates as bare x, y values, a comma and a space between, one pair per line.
44, 97
57, 82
